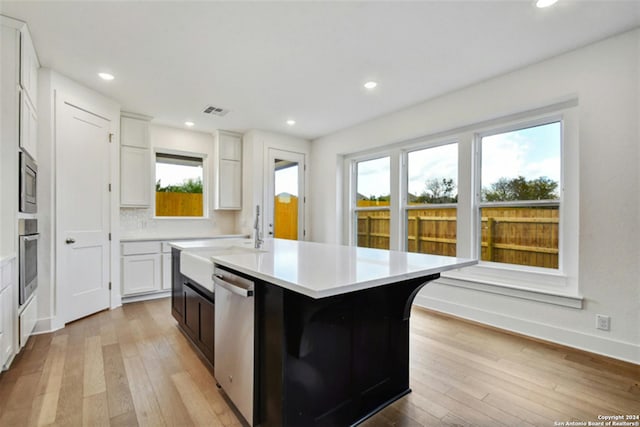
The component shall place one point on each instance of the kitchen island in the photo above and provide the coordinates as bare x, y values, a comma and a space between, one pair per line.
331, 328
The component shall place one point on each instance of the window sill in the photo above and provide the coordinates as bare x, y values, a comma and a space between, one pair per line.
499, 286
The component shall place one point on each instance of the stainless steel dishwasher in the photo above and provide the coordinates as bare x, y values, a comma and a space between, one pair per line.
234, 339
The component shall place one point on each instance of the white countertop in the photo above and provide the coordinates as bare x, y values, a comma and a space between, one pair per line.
212, 243
140, 238
320, 270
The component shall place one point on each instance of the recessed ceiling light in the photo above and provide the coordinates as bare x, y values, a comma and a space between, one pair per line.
106, 76
291, 122
370, 85
545, 3
189, 124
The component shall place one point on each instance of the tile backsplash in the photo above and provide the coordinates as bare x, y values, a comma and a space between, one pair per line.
139, 222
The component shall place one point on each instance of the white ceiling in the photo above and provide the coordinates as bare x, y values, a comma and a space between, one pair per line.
271, 61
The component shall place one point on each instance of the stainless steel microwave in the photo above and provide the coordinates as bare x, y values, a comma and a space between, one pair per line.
28, 184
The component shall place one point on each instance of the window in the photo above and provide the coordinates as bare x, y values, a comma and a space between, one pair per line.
519, 206
285, 206
179, 185
431, 203
504, 191
372, 203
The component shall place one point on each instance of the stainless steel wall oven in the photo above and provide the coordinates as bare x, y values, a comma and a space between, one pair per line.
27, 258
28, 184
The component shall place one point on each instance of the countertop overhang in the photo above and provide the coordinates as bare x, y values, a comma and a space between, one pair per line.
321, 270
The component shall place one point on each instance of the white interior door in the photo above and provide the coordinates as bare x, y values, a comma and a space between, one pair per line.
82, 210
285, 195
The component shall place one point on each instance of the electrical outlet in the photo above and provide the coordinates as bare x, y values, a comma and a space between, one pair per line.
603, 322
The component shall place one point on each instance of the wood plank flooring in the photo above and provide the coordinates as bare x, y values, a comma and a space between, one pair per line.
132, 366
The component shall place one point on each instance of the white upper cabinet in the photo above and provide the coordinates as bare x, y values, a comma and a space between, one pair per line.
28, 67
134, 132
135, 161
229, 146
28, 126
135, 173
228, 171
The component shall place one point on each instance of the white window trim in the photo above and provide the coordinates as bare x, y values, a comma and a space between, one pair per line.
564, 280
205, 183
533, 283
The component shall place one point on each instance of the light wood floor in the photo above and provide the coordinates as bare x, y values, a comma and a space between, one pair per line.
131, 366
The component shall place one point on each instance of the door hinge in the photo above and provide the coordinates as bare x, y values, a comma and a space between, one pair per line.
111, 135
304, 233
109, 188
304, 199
109, 236
109, 285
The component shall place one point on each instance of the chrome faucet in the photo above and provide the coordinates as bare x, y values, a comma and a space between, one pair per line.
256, 226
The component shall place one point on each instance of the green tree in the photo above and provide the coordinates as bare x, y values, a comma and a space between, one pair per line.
520, 188
188, 186
438, 191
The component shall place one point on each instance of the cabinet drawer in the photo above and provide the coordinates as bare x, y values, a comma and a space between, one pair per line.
140, 248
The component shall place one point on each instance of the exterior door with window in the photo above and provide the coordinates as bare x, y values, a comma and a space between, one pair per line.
285, 197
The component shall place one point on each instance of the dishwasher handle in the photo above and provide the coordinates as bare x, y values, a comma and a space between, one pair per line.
231, 287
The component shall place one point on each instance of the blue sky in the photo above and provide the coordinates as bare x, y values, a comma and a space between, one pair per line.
532, 152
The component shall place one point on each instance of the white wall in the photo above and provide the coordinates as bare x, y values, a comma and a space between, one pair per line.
139, 223
605, 79
50, 292
255, 147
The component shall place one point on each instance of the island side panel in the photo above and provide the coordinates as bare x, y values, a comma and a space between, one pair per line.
343, 358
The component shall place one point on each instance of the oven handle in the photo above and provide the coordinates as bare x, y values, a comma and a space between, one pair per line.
31, 237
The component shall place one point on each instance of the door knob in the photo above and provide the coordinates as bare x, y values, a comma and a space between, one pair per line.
70, 241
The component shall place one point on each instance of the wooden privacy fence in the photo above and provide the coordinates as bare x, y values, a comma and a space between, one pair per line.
514, 235
178, 204
285, 217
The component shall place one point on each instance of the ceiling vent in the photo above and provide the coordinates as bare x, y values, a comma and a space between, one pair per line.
216, 111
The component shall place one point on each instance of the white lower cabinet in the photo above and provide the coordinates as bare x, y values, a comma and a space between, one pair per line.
7, 312
27, 320
146, 268
6, 323
140, 274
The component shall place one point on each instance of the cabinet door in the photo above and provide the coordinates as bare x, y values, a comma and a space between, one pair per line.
229, 185
140, 273
135, 174
192, 313
134, 132
206, 338
177, 294
166, 271
28, 67
6, 323
229, 146
28, 126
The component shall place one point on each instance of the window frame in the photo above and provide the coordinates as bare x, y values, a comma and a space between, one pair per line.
479, 204
353, 194
205, 182
559, 285
405, 207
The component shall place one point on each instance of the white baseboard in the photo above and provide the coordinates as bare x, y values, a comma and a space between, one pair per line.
46, 325
146, 297
621, 350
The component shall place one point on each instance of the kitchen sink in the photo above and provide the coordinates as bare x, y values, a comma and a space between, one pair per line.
198, 266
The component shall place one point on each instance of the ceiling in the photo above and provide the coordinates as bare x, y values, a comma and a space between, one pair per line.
271, 61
